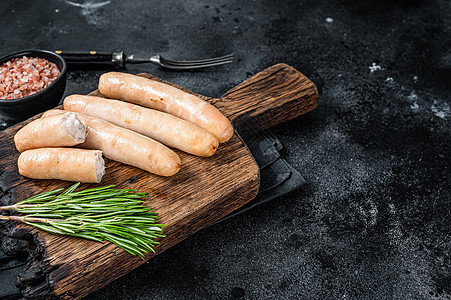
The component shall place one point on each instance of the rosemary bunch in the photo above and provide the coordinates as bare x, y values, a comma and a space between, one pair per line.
99, 214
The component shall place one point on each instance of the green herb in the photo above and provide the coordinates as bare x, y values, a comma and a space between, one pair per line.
99, 214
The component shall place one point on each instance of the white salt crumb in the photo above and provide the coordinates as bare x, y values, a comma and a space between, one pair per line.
374, 67
57, 10
413, 96
329, 20
414, 106
415, 78
389, 80
441, 112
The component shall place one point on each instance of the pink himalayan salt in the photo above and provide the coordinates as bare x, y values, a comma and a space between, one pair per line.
25, 76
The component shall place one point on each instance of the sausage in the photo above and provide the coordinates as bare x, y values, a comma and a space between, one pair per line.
163, 127
126, 146
57, 131
163, 97
62, 163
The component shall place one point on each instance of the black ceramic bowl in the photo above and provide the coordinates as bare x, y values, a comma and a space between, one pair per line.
13, 111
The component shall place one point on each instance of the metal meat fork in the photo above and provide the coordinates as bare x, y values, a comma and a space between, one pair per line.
119, 59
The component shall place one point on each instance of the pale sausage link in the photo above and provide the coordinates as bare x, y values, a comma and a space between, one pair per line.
163, 97
58, 131
126, 146
62, 163
163, 127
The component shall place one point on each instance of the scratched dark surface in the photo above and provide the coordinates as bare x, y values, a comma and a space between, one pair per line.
373, 220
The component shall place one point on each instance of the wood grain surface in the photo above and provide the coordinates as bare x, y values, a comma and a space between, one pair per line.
204, 191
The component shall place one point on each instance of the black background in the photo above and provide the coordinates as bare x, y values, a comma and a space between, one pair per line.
373, 221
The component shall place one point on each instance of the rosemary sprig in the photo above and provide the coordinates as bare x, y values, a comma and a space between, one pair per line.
99, 214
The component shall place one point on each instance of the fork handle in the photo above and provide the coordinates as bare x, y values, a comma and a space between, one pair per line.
93, 57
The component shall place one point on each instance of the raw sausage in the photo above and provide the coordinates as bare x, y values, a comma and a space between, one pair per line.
161, 96
62, 163
58, 131
126, 146
163, 127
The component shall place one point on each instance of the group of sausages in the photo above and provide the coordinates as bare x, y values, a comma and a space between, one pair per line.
133, 131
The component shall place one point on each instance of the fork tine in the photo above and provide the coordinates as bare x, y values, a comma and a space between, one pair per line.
198, 63
201, 61
187, 67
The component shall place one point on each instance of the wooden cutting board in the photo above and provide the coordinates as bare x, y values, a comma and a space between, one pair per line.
204, 191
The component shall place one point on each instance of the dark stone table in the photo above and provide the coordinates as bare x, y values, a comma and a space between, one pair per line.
373, 220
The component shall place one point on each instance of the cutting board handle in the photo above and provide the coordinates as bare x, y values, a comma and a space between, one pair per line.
275, 95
